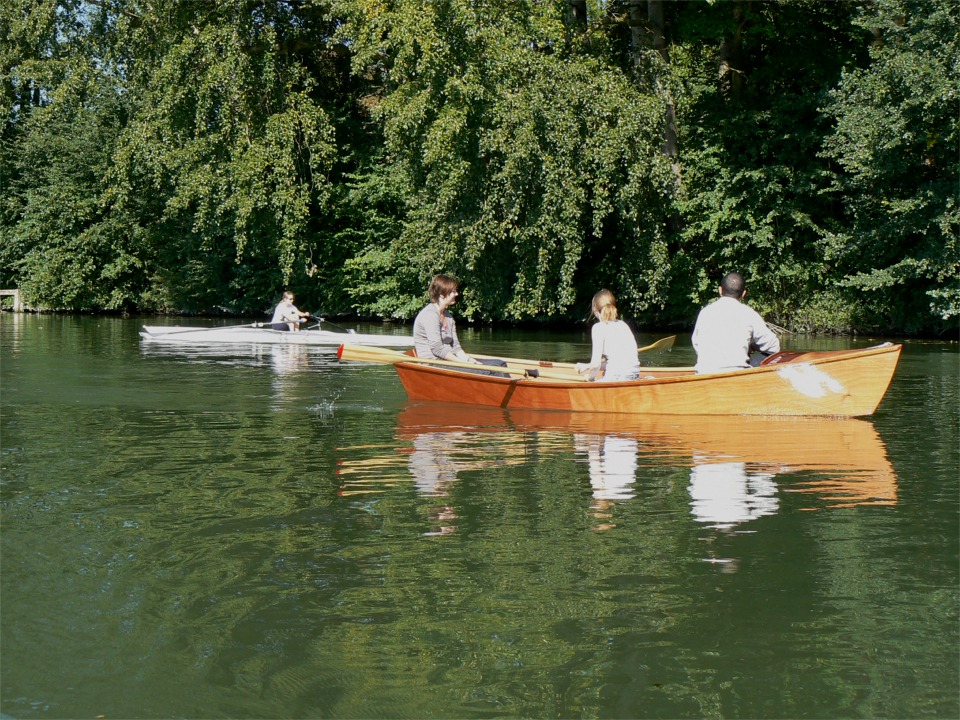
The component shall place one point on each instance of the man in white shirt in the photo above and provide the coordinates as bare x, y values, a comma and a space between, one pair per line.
286, 316
726, 329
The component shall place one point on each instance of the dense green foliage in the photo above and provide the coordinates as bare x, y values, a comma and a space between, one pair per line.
897, 140
203, 156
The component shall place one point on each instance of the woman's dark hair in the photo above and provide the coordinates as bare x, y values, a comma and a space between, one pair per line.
441, 285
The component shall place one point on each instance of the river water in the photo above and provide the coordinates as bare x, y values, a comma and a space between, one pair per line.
269, 533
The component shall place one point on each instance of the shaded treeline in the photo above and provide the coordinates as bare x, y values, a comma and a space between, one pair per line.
201, 156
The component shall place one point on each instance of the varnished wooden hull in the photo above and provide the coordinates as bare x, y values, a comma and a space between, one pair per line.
844, 383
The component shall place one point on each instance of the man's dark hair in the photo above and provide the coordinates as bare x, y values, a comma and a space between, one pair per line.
733, 285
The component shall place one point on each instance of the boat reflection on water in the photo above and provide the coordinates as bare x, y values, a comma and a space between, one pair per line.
286, 359
283, 359
739, 467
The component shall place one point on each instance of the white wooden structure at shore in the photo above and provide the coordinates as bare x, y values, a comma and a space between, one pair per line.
15, 294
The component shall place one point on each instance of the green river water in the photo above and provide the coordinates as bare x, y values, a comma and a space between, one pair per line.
203, 532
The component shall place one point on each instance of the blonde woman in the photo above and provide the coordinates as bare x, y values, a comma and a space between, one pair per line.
614, 346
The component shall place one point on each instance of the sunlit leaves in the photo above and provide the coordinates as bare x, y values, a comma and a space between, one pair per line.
197, 156
233, 129
897, 137
515, 158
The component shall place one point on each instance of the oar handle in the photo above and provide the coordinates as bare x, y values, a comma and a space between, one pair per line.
363, 353
662, 344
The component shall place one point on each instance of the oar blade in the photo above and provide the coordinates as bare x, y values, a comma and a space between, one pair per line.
366, 353
661, 344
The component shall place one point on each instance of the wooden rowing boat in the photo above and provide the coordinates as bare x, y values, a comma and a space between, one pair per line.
262, 333
844, 383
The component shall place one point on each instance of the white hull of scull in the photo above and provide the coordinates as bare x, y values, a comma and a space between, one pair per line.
259, 333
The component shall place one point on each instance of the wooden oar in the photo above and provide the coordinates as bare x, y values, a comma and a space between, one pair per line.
364, 353
661, 344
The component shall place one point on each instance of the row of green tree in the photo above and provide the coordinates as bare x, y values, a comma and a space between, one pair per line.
201, 156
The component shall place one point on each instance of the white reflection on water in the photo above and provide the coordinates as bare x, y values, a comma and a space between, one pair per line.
725, 494
612, 462
287, 359
434, 470
431, 464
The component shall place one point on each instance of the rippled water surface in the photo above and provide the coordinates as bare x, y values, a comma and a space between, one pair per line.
269, 533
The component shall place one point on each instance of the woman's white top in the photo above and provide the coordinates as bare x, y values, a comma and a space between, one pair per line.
615, 341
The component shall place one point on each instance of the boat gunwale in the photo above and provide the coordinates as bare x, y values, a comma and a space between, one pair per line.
689, 376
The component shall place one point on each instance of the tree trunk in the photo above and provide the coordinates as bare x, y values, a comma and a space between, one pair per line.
729, 72
578, 15
659, 43
635, 21
647, 24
